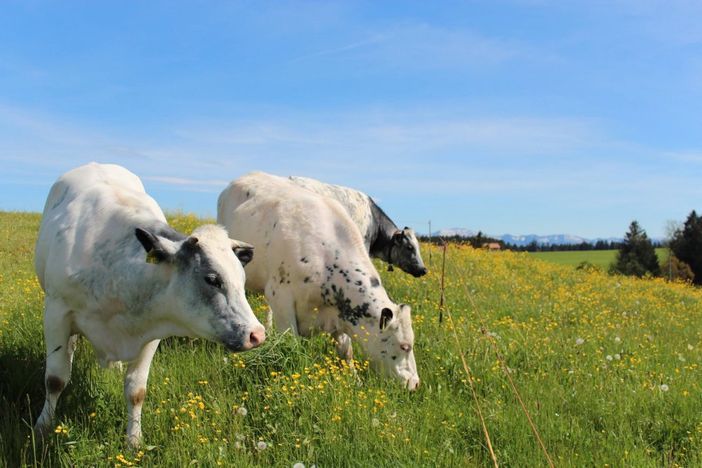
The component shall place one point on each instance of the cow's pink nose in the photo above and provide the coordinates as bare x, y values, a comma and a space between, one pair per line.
257, 336
413, 383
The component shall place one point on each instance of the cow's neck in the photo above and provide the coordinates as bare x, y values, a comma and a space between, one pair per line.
141, 286
381, 231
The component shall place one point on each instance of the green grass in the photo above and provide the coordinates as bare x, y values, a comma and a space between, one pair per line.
609, 368
600, 258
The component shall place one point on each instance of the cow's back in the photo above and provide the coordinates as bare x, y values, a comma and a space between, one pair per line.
356, 204
88, 209
285, 223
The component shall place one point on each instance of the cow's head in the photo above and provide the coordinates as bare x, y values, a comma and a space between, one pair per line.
404, 253
390, 344
205, 285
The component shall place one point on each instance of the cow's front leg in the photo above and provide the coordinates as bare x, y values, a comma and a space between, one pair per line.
60, 346
282, 304
344, 347
135, 390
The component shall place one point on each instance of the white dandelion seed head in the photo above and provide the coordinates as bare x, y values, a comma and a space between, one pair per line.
690, 347
225, 359
375, 422
242, 411
664, 387
617, 339
579, 341
261, 445
617, 356
299, 465
609, 357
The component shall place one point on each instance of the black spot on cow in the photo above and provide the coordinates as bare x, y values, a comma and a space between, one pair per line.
248, 194
54, 384
385, 340
358, 282
275, 224
393, 357
347, 311
375, 282
362, 290
307, 279
304, 260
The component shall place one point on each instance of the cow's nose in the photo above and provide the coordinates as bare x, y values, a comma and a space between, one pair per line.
257, 336
421, 272
413, 383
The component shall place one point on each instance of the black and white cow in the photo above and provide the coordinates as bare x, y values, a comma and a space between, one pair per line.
115, 272
312, 265
381, 236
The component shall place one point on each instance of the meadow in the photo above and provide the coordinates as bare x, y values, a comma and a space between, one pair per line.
608, 368
600, 258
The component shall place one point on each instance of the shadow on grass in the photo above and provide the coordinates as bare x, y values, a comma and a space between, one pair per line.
22, 399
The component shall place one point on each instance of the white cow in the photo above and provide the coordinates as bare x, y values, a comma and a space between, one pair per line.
115, 272
382, 238
315, 272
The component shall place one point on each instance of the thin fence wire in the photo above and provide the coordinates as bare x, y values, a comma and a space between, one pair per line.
505, 369
466, 368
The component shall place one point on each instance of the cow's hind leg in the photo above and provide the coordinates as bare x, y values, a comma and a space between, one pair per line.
60, 346
135, 390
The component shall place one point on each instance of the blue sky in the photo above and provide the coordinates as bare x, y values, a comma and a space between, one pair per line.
525, 116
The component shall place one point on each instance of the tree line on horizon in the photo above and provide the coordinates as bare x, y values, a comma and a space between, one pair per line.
480, 240
636, 254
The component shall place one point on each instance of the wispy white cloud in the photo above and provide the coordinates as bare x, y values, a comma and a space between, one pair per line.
188, 182
415, 154
418, 45
341, 49
691, 156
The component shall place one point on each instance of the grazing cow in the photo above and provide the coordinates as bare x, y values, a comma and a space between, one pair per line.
114, 271
315, 272
381, 236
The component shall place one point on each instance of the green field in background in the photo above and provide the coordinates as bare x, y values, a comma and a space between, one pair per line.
601, 258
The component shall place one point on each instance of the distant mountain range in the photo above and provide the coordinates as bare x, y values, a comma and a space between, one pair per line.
526, 239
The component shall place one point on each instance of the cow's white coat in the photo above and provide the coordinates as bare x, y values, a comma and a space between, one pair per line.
382, 238
91, 260
313, 267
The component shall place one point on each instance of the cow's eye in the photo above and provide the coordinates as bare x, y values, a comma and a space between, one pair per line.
213, 279
409, 248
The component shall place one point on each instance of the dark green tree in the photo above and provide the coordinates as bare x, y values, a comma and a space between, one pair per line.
636, 255
686, 245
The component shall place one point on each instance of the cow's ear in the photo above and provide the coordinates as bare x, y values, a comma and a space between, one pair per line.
397, 237
156, 251
385, 317
243, 251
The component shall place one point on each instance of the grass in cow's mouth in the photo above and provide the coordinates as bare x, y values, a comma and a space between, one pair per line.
292, 401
